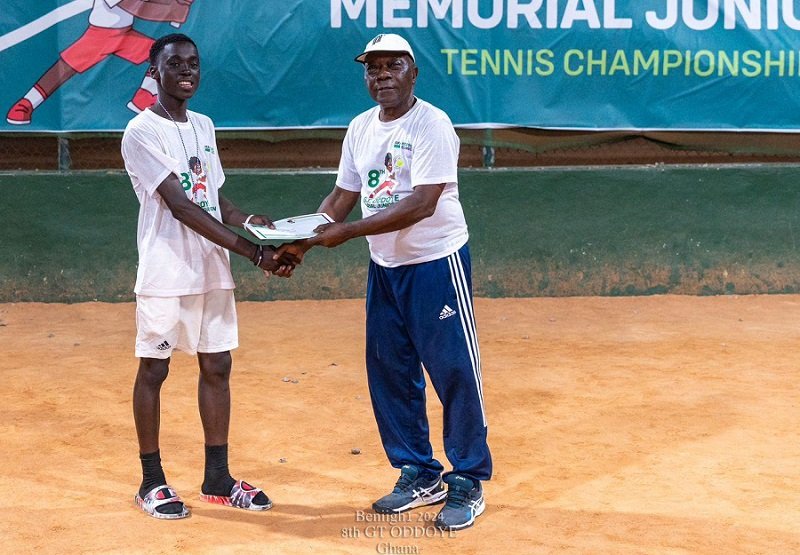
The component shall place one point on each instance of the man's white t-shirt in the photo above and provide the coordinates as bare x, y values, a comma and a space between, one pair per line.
106, 13
384, 161
173, 259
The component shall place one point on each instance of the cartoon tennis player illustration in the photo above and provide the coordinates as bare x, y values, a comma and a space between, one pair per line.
110, 32
392, 167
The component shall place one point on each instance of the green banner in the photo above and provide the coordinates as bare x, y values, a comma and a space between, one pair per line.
555, 64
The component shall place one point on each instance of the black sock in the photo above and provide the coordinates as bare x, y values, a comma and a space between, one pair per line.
153, 476
261, 498
217, 480
152, 473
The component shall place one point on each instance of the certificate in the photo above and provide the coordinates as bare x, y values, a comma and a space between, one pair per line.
289, 229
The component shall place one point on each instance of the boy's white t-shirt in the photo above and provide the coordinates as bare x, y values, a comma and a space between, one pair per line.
173, 259
386, 160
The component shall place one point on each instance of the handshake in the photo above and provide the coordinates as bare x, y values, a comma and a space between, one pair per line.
282, 260
298, 234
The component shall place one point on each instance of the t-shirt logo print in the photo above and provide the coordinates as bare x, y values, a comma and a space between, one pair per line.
198, 180
387, 187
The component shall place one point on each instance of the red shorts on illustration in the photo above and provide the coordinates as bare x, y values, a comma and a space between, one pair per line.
98, 43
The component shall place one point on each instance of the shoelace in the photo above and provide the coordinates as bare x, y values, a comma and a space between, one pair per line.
402, 483
457, 497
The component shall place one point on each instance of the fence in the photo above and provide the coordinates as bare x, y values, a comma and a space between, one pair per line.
488, 148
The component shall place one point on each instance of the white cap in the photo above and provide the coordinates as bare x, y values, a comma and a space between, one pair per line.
386, 43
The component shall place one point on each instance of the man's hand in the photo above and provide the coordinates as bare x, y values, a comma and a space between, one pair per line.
330, 235
272, 263
291, 253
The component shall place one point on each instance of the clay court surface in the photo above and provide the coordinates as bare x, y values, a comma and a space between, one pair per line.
662, 424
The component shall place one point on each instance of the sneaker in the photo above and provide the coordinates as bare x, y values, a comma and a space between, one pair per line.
464, 503
141, 101
411, 490
20, 113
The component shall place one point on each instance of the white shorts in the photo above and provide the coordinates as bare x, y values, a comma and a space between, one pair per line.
190, 323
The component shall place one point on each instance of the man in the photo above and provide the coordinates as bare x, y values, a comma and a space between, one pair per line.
184, 286
419, 291
110, 32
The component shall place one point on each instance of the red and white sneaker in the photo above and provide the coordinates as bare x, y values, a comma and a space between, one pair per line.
20, 113
141, 101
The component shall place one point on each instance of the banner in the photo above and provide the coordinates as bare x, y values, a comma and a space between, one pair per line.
722, 65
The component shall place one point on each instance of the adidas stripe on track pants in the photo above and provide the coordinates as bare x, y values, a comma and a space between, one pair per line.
421, 315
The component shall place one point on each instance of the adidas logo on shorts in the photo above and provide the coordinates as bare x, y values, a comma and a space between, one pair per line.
163, 346
446, 312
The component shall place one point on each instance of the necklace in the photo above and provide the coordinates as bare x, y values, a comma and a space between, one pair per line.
194, 159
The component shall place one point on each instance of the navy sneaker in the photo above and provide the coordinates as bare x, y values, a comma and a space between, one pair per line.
411, 490
464, 503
